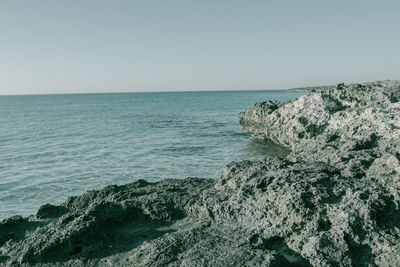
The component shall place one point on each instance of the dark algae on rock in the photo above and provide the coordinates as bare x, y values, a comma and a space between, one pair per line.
332, 200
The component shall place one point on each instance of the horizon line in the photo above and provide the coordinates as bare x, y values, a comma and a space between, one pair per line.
133, 92
206, 90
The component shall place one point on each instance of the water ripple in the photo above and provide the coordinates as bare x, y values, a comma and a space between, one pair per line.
55, 146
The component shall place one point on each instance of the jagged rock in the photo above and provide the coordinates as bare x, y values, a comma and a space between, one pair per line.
110, 220
50, 211
333, 201
348, 126
252, 119
8, 226
355, 130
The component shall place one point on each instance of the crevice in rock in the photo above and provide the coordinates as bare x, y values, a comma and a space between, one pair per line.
360, 255
385, 213
279, 245
368, 143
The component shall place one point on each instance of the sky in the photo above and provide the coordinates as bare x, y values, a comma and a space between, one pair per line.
88, 46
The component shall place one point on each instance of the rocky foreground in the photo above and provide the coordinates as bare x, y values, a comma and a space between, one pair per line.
334, 201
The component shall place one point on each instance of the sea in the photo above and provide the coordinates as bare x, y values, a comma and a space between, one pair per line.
55, 146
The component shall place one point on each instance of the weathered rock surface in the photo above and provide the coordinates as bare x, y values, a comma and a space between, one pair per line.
354, 131
333, 201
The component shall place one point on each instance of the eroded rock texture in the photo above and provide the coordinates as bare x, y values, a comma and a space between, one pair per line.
334, 201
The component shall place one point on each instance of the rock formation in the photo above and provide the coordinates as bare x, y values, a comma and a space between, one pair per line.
333, 201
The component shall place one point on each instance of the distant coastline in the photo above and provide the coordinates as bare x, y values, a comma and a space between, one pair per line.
323, 88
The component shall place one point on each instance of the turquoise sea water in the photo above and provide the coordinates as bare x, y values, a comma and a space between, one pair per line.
54, 146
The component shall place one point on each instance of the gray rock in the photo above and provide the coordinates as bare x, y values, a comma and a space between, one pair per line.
355, 131
50, 211
253, 119
333, 201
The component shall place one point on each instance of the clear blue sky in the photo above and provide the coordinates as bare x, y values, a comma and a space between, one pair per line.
71, 46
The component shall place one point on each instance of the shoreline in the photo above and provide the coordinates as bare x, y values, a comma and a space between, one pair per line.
333, 200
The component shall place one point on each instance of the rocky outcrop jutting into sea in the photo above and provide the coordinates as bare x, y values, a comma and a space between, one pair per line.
333, 201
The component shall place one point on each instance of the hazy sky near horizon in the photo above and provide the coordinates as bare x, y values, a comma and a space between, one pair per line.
74, 46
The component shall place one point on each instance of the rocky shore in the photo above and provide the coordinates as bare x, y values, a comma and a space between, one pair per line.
333, 201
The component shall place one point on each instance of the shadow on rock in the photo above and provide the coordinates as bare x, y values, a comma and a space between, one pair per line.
16, 227
286, 256
261, 148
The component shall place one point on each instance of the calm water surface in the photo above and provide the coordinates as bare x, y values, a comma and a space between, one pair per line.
54, 146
